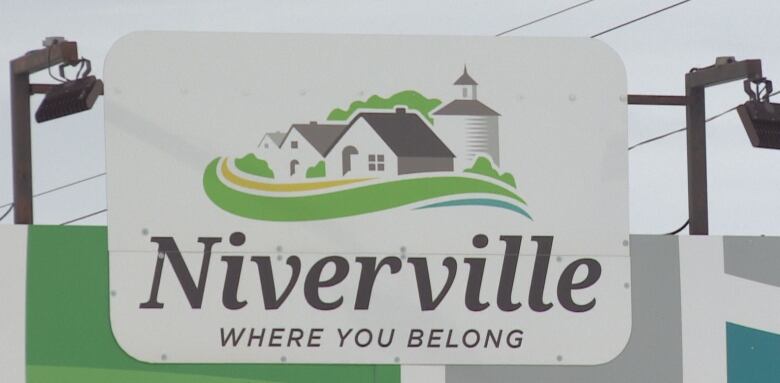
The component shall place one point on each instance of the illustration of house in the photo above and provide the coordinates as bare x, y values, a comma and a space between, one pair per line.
302, 147
271, 141
269, 144
381, 142
467, 126
395, 143
372, 144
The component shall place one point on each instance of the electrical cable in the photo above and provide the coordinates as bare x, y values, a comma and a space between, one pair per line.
687, 221
656, 138
639, 18
83, 217
48, 69
81, 67
6, 212
61, 187
667, 134
610, 30
545, 17
584, 3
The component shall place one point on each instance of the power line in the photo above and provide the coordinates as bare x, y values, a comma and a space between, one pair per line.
667, 134
610, 30
7, 212
656, 138
545, 17
584, 3
11, 204
83, 217
61, 187
639, 18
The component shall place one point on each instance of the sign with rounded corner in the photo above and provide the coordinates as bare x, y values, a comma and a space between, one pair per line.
293, 198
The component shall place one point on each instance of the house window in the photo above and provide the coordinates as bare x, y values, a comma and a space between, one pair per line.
376, 162
266, 145
294, 144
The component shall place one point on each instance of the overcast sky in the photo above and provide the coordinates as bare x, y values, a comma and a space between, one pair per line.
657, 52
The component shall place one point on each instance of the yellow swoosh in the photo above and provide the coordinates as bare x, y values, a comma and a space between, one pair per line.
279, 187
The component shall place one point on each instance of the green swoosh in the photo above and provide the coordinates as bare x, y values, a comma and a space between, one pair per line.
344, 203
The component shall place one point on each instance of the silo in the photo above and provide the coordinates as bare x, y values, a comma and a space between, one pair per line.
467, 126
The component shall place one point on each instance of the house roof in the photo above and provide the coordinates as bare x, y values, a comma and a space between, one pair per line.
321, 136
465, 108
465, 79
406, 134
276, 137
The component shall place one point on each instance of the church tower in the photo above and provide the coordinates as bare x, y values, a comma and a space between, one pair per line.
468, 85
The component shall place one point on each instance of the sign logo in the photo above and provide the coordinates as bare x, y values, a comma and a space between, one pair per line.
375, 199
377, 154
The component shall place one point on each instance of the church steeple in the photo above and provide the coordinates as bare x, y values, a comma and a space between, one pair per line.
467, 84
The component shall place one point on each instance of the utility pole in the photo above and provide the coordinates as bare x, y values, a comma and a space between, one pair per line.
725, 70
21, 68
57, 51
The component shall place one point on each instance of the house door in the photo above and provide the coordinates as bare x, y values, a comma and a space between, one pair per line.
346, 158
293, 167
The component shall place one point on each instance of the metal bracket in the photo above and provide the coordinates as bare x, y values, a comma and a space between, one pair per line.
759, 94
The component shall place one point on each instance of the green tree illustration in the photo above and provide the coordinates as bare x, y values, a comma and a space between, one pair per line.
316, 171
484, 167
411, 99
255, 166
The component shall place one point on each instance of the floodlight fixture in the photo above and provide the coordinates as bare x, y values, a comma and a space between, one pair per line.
68, 98
760, 117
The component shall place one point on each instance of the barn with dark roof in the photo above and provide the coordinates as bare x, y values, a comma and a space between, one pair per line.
380, 143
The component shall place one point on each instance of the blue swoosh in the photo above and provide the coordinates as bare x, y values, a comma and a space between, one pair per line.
480, 202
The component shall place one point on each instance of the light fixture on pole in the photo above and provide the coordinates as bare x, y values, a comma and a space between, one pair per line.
72, 96
69, 97
760, 117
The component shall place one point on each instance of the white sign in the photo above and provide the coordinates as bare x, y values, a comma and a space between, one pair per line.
367, 199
